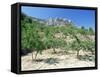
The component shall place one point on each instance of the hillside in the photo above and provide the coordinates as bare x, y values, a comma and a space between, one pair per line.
55, 37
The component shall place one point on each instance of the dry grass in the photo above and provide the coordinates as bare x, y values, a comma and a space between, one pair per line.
50, 60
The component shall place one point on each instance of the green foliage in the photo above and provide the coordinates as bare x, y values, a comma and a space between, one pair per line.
91, 31
82, 27
89, 46
38, 37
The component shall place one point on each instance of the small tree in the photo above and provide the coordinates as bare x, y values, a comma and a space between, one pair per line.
91, 31
89, 46
82, 27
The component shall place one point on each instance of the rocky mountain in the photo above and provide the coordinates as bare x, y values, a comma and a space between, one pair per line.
53, 21
58, 21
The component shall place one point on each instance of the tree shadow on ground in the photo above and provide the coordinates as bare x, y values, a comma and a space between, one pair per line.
48, 60
61, 53
39, 60
52, 61
25, 52
86, 57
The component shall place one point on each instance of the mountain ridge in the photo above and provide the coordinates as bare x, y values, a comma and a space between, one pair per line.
51, 21
57, 21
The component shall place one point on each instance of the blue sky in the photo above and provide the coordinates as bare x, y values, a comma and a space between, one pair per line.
84, 18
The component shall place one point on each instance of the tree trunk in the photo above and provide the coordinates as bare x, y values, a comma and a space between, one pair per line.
92, 52
78, 54
54, 50
36, 54
32, 56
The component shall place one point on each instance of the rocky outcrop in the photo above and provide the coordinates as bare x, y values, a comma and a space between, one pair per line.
58, 21
54, 21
